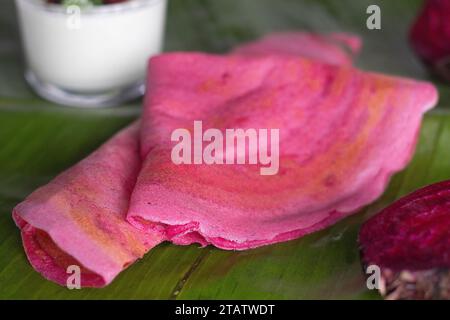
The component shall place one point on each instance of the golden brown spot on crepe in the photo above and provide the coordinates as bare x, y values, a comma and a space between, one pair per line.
266, 100
307, 71
217, 86
376, 104
129, 249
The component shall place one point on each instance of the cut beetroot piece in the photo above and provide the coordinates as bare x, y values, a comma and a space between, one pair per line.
430, 36
410, 242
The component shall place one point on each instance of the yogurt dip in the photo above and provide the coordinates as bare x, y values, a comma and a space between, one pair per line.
91, 56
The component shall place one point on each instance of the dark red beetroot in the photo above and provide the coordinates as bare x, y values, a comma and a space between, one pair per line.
410, 242
430, 36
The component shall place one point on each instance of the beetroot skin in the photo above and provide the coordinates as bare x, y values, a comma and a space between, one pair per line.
410, 242
430, 36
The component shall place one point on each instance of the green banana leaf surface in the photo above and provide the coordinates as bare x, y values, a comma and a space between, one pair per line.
39, 139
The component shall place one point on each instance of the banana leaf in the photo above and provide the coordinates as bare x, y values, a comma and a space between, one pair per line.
39, 139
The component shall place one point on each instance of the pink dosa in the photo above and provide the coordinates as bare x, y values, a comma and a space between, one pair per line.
326, 171
79, 217
343, 133
333, 48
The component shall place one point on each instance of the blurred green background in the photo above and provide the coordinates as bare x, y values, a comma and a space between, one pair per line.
38, 139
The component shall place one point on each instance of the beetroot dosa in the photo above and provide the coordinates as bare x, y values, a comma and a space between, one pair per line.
79, 217
343, 133
333, 48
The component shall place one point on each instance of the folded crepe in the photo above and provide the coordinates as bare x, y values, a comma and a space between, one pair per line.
79, 217
336, 154
342, 134
333, 48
